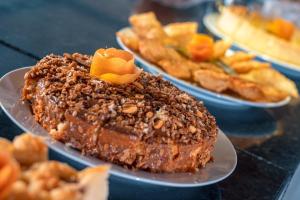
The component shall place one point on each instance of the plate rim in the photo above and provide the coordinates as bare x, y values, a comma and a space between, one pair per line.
66, 151
228, 100
209, 23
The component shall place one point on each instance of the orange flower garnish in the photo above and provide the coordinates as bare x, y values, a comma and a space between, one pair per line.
281, 28
114, 66
9, 173
201, 47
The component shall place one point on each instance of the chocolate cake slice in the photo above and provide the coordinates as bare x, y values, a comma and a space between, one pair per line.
148, 124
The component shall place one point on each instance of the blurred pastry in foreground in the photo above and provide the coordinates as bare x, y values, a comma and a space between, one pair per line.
27, 174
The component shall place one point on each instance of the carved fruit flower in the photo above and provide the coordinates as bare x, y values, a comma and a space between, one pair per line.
114, 66
282, 28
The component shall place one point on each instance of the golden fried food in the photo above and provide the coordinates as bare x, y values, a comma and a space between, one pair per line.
237, 57
91, 179
220, 48
246, 89
153, 50
179, 50
209, 66
175, 68
270, 77
146, 26
247, 66
41, 179
9, 173
29, 149
181, 32
129, 38
212, 80
5, 145
167, 58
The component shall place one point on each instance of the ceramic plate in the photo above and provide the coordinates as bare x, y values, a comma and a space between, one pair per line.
225, 158
292, 71
198, 92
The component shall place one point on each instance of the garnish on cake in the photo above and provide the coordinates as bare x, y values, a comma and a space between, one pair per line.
114, 66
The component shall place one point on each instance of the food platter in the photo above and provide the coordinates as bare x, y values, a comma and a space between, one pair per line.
224, 154
198, 92
291, 70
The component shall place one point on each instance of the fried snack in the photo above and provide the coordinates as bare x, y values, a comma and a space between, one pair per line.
29, 149
9, 173
167, 58
182, 29
146, 26
91, 179
155, 51
5, 145
246, 89
272, 94
181, 32
272, 78
197, 58
41, 179
129, 38
247, 66
237, 57
209, 66
212, 80
220, 48
221, 82
175, 68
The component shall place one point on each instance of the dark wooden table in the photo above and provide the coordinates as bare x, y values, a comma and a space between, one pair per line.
31, 29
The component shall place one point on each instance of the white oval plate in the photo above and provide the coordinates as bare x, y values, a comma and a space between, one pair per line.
198, 92
224, 154
291, 70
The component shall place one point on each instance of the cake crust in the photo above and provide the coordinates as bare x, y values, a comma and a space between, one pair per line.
148, 124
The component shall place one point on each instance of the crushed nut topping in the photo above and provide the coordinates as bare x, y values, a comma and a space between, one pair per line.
150, 108
129, 109
158, 124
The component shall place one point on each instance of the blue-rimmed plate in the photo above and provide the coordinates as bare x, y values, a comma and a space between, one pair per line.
224, 154
198, 92
291, 70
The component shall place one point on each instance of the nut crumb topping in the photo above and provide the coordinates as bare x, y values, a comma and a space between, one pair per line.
150, 108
